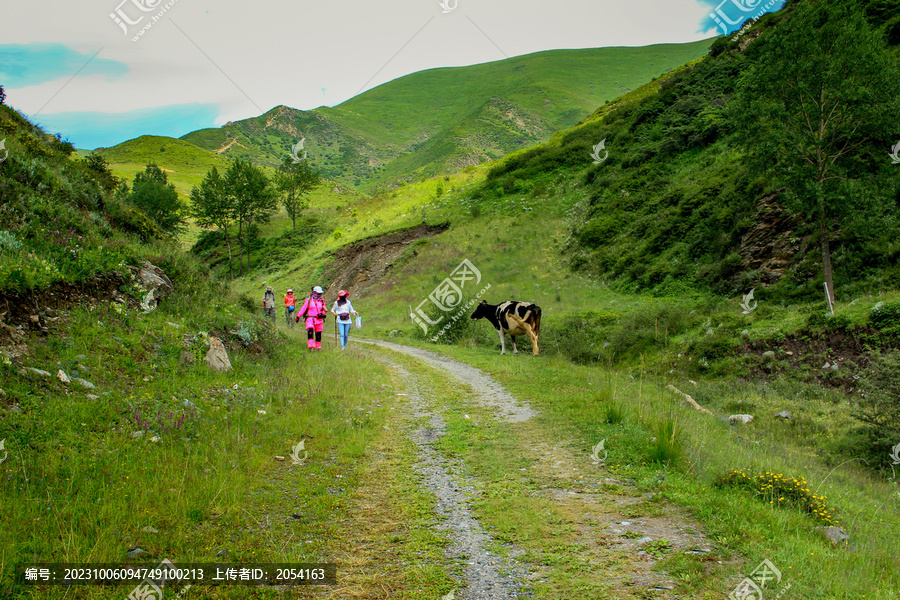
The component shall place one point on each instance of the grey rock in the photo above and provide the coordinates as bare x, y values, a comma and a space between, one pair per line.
645, 540
85, 384
744, 419
36, 372
769, 356
835, 535
217, 357
92, 397
149, 529
137, 434
155, 278
784, 415
137, 552
188, 404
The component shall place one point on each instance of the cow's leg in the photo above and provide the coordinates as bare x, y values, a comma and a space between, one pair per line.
515, 349
502, 342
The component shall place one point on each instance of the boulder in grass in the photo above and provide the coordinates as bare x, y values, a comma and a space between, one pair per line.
84, 383
36, 372
217, 357
136, 553
835, 535
155, 278
784, 415
743, 419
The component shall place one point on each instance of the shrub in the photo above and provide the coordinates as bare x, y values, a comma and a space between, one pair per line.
885, 315
878, 411
782, 491
648, 328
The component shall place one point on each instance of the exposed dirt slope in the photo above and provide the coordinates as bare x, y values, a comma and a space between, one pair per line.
365, 261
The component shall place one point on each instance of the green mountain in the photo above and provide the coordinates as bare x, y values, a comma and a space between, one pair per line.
441, 120
184, 163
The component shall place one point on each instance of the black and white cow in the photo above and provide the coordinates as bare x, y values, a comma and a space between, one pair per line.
514, 318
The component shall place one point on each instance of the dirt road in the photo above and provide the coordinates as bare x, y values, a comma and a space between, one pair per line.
597, 530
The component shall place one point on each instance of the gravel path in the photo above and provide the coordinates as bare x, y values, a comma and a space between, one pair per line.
489, 393
488, 576
617, 525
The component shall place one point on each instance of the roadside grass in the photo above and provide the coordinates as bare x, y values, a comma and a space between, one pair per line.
745, 528
86, 482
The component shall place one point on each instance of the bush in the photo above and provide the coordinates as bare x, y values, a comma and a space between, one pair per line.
878, 412
648, 328
885, 315
782, 491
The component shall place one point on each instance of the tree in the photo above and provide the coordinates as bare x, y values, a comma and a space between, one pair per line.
294, 180
823, 88
99, 168
253, 199
152, 193
212, 206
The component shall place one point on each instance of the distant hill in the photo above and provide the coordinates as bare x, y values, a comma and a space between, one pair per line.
438, 121
184, 163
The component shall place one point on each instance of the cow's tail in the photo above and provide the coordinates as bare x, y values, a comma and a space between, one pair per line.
537, 320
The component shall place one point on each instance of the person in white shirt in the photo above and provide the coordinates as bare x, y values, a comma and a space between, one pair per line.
342, 310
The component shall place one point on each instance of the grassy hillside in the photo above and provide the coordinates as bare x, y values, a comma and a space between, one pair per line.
185, 164
440, 120
676, 202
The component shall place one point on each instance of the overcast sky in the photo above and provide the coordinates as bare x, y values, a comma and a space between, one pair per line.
76, 68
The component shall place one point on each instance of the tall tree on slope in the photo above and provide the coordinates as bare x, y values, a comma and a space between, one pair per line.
824, 89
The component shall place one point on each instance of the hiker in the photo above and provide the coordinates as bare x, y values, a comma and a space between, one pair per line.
342, 310
314, 311
268, 303
290, 305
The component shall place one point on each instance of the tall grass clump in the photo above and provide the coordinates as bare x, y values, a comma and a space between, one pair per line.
666, 448
613, 413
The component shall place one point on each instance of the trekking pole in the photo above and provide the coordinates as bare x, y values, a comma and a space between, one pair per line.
335, 331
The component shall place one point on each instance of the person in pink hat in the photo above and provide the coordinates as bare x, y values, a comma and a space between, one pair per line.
342, 310
314, 311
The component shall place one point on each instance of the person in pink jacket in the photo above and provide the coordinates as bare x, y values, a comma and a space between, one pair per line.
314, 311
